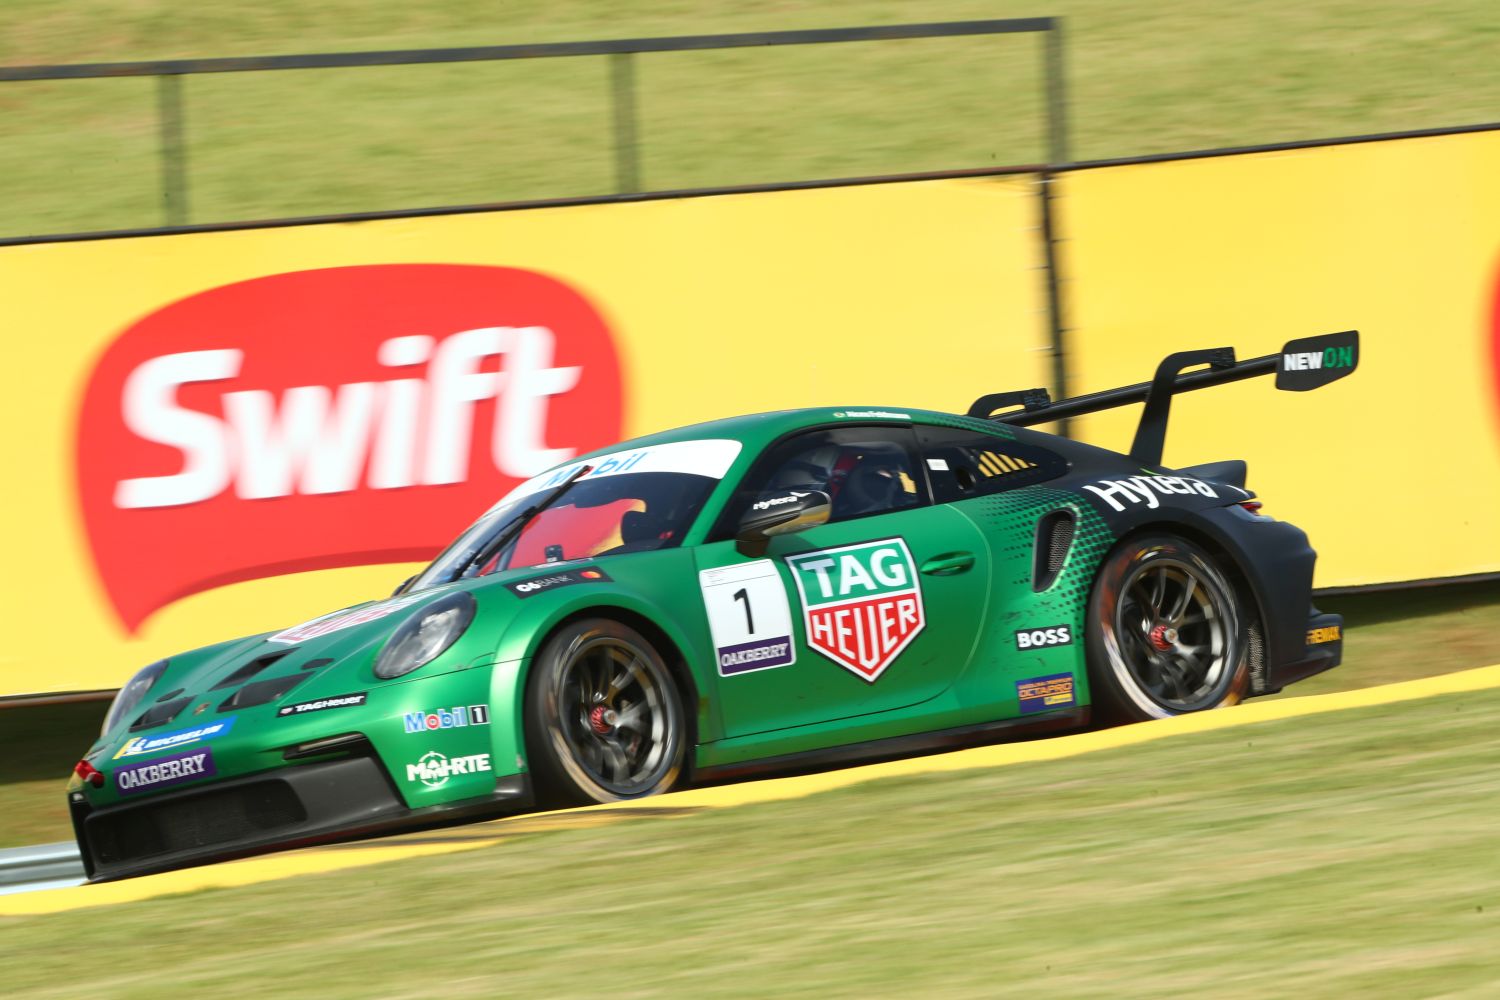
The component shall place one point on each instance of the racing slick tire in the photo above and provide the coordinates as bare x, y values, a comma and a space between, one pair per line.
1166, 632
604, 720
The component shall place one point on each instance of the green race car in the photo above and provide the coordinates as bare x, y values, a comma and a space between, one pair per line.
759, 593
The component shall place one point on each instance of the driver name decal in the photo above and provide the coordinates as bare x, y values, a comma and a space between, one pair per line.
861, 604
317, 419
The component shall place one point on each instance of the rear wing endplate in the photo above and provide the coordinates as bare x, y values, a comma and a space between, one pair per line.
1307, 363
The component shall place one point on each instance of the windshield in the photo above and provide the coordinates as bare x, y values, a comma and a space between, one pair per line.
629, 501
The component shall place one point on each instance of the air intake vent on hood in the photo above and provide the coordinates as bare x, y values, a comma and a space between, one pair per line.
252, 668
159, 713
261, 692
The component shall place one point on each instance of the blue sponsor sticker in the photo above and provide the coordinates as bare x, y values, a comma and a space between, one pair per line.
1041, 694
137, 745
165, 771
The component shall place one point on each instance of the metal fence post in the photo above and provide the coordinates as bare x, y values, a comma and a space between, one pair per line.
1057, 97
174, 190
1057, 155
627, 164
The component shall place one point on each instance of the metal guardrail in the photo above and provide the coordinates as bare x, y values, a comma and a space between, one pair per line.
172, 114
41, 866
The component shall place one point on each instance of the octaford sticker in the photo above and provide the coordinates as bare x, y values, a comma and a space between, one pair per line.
337, 417
861, 604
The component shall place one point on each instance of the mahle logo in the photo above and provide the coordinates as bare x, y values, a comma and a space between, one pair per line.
861, 604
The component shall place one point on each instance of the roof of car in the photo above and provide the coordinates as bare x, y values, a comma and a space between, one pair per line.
756, 430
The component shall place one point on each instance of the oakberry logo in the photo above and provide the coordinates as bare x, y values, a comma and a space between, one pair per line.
329, 418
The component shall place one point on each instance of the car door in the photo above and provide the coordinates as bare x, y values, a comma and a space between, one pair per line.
877, 610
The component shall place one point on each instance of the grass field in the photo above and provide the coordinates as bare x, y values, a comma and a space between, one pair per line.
1346, 854
1144, 78
1391, 637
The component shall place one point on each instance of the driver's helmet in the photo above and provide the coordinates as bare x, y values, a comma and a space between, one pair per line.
874, 483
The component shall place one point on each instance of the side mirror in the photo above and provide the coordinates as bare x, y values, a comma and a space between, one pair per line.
780, 513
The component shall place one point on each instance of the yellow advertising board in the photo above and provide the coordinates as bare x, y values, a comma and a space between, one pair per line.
215, 434
1394, 472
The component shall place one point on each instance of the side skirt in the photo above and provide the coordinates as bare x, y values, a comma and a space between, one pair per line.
896, 746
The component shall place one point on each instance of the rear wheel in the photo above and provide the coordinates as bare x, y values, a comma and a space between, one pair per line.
1166, 634
604, 721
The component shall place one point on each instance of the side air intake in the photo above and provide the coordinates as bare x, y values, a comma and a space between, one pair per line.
1054, 537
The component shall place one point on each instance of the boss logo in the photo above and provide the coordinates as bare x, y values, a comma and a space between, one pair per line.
1038, 638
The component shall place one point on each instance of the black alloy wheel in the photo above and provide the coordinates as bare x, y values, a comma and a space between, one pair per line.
1166, 632
604, 721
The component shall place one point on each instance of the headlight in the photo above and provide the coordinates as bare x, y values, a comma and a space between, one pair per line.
131, 694
425, 635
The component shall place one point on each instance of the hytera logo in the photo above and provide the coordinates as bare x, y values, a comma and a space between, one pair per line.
1331, 357
285, 423
445, 718
1143, 489
434, 769
778, 501
1037, 638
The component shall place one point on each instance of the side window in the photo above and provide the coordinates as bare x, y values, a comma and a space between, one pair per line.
864, 470
962, 463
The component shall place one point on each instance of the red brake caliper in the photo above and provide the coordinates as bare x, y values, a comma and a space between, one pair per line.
1163, 637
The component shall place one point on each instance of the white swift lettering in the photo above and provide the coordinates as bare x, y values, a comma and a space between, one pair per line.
319, 439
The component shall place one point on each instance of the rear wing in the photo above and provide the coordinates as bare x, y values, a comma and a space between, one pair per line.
1308, 363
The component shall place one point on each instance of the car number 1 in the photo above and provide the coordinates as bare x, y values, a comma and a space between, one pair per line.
749, 617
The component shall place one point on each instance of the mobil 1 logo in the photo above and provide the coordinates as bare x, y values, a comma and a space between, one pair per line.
1043, 638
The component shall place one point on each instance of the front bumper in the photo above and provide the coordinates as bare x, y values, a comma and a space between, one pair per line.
294, 806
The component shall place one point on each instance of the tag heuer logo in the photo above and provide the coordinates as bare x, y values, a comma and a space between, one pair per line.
861, 604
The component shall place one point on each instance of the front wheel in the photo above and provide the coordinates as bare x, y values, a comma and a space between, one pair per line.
1166, 635
604, 721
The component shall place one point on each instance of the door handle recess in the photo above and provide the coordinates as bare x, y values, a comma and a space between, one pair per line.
948, 564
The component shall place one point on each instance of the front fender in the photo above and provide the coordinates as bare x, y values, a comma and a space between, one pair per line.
659, 587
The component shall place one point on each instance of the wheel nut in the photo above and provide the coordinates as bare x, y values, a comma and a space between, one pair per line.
1163, 637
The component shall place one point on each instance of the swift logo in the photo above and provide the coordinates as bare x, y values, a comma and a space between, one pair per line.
1144, 489
862, 605
330, 418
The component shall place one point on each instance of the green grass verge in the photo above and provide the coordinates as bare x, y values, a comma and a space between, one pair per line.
1144, 78
1347, 854
1390, 637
